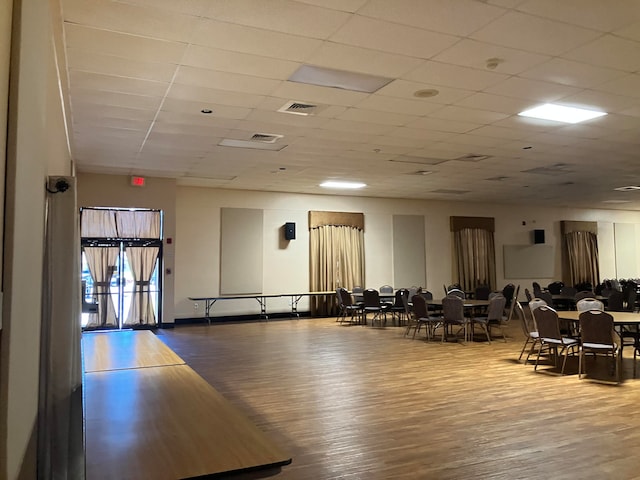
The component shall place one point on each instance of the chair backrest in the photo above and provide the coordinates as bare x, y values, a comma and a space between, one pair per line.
547, 322
398, 301
536, 288
586, 304
596, 326
412, 291
528, 295
583, 294
339, 297
357, 290
496, 307
419, 307
555, 287
630, 298
407, 307
536, 303
452, 309
547, 297
386, 289
568, 291
526, 321
508, 291
482, 292
615, 301
457, 292
345, 297
584, 287
427, 295
371, 297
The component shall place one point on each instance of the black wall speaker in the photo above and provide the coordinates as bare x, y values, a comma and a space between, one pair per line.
289, 231
538, 236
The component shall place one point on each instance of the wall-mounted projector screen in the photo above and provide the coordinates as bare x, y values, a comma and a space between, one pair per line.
528, 261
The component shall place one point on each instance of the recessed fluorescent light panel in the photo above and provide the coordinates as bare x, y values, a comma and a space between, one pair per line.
559, 113
328, 77
343, 185
629, 188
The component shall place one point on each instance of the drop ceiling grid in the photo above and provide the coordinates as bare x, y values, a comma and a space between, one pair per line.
235, 60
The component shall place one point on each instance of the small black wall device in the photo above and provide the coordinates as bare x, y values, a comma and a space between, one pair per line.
290, 231
538, 236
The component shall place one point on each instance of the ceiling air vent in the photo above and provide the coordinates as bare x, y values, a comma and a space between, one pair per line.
265, 137
298, 108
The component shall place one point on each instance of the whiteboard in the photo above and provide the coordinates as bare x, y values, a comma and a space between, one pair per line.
528, 261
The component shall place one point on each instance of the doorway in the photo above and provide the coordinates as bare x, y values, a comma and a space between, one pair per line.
121, 281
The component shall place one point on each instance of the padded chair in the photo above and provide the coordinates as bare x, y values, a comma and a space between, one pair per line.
599, 337
582, 294
615, 301
548, 324
555, 287
508, 292
386, 291
528, 328
586, 304
347, 307
537, 289
547, 297
372, 305
568, 291
357, 295
397, 309
457, 292
495, 316
482, 292
420, 317
453, 315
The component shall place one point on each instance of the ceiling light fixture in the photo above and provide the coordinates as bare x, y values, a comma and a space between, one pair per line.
426, 93
629, 188
344, 185
560, 113
206, 111
328, 77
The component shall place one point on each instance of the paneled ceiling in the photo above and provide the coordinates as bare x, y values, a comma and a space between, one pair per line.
140, 73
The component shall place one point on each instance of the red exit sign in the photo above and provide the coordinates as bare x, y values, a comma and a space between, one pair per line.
137, 181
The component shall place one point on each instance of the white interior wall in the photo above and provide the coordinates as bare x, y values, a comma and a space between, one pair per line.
36, 146
286, 263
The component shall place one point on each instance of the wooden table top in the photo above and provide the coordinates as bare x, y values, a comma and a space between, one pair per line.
620, 318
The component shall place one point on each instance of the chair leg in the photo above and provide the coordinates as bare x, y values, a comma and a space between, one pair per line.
580, 357
526, 342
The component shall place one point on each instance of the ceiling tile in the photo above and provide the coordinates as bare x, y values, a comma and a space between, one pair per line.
391, 37
239, 38
436, 73
315, 94
127, 18
474, 54
134, 86
595, 14
236, 62
609, 51
532, 89
628, 85
441, 125
279, 15
209, 96
123, 45
534, 34
397, 105
405, 89
568, 72
373, 116
225, 81
461, 17
343, 5
468, 115
495, 103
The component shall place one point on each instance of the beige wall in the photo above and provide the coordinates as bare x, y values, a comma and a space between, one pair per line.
37, 146
286, 266
158, 193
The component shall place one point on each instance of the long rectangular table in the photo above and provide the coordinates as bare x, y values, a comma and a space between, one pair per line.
261, 298
619, 318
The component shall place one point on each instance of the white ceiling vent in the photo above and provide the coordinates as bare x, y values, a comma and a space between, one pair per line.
298, 108
265, 137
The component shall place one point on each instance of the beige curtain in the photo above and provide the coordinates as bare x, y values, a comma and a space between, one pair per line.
582, 257
142, 261
102, 265
60, 432
475, 258
337, 260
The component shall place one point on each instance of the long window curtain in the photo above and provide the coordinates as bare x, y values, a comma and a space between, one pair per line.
337, 260
582, 257
142, 261
102, 264
60, 432
475, 258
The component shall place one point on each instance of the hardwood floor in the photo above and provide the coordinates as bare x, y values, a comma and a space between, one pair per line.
356, 402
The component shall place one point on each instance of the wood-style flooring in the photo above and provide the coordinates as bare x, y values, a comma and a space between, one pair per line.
356, 402
150, 416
